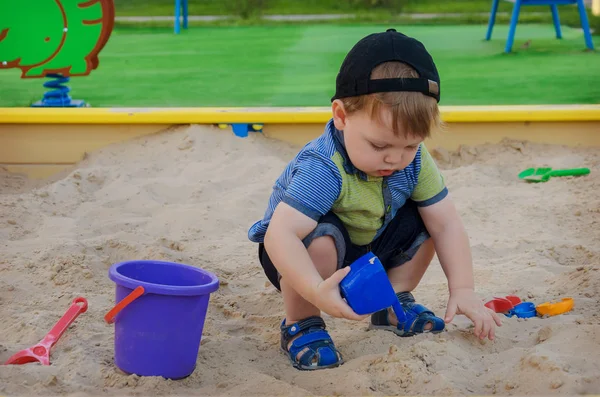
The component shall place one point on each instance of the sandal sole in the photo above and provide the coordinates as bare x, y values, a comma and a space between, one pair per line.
392, 328
304, 368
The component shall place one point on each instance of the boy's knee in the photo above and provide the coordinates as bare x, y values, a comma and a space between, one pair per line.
427, 249
323, 253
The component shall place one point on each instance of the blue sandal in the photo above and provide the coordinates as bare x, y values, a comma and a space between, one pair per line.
417, 318
313, 349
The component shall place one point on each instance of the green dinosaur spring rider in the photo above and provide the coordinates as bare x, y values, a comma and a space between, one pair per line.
55, 39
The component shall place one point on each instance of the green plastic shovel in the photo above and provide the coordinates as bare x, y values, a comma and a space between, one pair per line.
543, 174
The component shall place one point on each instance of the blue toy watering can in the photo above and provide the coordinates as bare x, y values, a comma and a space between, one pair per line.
367, 288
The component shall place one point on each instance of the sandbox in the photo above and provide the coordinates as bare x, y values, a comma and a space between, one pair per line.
131, 184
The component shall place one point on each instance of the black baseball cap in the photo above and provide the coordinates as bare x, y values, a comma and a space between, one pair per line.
354, 77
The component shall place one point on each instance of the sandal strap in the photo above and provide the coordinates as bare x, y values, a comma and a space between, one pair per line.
418, 309
288, 332
312, 337
409, 304
405, 297
418, 326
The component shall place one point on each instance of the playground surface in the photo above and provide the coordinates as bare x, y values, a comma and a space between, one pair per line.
296, 66
161, 197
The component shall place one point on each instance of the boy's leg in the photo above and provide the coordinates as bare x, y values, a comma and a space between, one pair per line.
408, 276
323, 254
303, 334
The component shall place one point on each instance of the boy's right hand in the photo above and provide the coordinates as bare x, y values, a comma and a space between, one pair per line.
329, 300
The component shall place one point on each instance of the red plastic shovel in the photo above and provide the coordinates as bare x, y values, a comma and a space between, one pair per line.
41, 351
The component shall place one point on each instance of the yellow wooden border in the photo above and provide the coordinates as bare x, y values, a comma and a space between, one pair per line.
43, 142
305, 115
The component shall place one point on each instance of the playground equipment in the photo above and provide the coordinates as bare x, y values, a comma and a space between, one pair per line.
54, 39
181, 9
554, 9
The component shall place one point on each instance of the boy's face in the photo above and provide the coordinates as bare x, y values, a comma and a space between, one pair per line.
371, 145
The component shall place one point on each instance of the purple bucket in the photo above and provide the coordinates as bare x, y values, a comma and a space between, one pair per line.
159, 332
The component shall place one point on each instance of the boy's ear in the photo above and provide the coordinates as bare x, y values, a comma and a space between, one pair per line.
339, 114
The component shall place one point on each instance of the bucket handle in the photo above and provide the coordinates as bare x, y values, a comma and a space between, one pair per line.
136, 293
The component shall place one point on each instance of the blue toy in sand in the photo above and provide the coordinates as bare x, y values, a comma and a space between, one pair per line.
367, 288
523, 310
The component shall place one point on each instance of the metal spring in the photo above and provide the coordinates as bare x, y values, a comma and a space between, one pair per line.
59, 93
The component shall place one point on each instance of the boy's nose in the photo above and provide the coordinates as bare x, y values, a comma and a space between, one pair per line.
393, 159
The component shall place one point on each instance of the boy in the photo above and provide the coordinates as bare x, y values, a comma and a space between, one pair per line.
367, 184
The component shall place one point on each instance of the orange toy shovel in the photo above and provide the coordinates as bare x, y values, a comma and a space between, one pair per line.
555, 308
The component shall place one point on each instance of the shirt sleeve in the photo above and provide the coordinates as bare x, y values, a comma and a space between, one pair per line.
315, 185
430, 187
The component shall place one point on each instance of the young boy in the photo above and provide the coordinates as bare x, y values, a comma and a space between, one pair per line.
367, 184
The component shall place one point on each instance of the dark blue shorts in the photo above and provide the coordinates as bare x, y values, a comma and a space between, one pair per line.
397, 245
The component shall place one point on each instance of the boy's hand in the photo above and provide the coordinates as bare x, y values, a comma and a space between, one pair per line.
464, 301
328, 298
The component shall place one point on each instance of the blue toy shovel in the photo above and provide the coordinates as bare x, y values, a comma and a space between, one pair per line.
523, 310
367, 288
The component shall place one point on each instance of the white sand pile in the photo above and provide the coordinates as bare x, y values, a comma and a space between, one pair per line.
190, 194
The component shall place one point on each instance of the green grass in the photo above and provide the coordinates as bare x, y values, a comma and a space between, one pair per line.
286, 7
220, 7
465, 6
296, 65
449, 12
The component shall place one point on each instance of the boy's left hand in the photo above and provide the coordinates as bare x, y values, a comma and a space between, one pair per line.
464, 301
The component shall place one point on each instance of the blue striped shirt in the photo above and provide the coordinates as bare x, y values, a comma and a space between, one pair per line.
321, 178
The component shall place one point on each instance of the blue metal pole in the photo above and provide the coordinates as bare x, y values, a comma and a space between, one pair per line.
513, 26
492, 19
185, 13
585, 25
556, 20
177, 16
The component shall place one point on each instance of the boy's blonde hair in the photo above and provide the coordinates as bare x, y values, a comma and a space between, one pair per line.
413, 113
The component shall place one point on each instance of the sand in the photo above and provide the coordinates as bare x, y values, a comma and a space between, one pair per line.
189, 195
